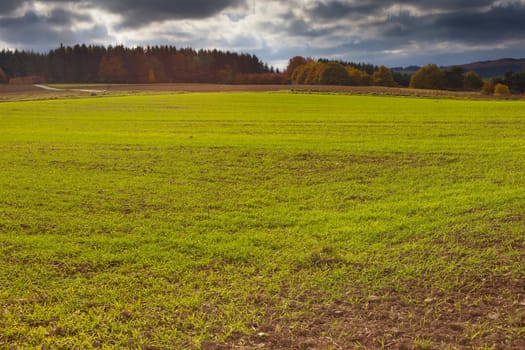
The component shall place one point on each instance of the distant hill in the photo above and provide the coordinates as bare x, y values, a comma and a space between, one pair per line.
487, 69
490, 69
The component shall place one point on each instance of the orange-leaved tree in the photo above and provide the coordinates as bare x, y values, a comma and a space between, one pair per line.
293, 63
112, 69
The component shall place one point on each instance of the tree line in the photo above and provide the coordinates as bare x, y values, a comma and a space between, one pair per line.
323, 72
168, 64
119, 64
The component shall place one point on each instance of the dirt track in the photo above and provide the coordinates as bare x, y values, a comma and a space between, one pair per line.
30, 92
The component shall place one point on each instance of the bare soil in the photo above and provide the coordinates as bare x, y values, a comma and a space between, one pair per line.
491, 316
30, 92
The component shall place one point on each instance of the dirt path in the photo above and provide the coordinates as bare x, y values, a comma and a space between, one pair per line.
49, 88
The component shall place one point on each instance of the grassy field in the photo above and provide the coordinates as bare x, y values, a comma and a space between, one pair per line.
262, 220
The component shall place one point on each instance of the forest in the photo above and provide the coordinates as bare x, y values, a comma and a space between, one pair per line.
168, 64
119, 64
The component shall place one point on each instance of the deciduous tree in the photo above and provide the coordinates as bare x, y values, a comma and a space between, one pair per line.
487, 88
358, 77
472, 81
454, 78
501, 90
293, 63
3, 77
515, 81
334, 74
428, 77
383, 77
112, 70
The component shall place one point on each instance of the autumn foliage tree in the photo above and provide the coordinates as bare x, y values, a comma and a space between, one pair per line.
383, 77
294, 63
501, 90
112, 70
327, 73
428, 77
487, 88
358, 77
308, 73
3, 77
314, 72
334, 74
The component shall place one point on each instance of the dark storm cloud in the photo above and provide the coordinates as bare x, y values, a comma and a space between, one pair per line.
61, 17
296, 26
7, 6
42, 32
501, 22
349, 9
474, 26
139, 12
380, 31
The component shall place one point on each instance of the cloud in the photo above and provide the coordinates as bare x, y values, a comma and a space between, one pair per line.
42, 32
139, 12
497, 23
8, 6
336, 9
376, 31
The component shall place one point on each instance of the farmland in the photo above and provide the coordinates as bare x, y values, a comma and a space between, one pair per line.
262, 220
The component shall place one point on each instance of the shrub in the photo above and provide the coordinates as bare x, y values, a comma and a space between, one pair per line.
501, 90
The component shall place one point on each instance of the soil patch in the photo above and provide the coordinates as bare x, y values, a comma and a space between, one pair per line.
30, 92
491, 316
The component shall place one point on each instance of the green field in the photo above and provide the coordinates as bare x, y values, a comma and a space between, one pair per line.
263, 220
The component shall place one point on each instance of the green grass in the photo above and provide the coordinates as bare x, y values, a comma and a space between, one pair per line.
168, 220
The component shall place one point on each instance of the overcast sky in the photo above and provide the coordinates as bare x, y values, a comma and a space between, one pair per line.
375, 31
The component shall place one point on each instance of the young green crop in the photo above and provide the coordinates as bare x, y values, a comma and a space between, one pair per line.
166, 221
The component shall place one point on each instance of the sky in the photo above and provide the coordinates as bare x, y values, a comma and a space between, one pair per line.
393, 33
